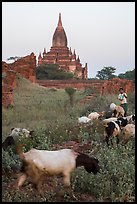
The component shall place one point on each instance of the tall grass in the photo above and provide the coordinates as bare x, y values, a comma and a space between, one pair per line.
35, 106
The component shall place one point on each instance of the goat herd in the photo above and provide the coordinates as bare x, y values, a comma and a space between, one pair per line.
36, 164
115, 124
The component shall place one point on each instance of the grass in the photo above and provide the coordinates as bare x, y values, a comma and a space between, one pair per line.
48, 112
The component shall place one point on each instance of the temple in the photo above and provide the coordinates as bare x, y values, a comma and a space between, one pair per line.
63, 56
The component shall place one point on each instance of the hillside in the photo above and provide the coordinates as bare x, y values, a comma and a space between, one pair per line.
48, 112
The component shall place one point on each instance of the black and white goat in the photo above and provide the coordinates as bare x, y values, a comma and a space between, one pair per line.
15, 134
113, 129
41, 163
130, 118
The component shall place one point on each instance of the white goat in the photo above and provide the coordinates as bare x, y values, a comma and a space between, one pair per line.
84, 119
40, 163
95, 115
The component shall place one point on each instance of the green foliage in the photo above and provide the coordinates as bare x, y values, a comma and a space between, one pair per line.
117, 175
98, 104
13, 58
106, 73
52, 71
70, 91
10, 159
128, 75
90, 90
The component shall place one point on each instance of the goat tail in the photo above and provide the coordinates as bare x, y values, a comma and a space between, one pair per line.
19, 151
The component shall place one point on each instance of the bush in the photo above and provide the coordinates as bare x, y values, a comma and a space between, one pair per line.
90, 90
52, 71
117, 176
70, 91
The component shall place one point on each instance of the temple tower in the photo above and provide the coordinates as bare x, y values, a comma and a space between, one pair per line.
60, 53
59, 37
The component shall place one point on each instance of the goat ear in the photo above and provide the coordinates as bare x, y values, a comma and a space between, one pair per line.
97, 160
87, 169
103, 113
12, 129
31, 132
12, 141
133, 117
8, 141
4, 146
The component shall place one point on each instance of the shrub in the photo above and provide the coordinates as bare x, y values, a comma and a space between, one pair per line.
52, 71
70, 91
90, 90
117, 176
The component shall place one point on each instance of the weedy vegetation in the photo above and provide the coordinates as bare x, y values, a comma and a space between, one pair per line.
54, 120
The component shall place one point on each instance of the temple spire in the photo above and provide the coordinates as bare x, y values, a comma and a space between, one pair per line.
78, 60
39, 59
44, 51
59, 22
70, 52
59, 37
40, 55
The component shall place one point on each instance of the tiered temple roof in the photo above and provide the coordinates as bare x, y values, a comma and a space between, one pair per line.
60, 54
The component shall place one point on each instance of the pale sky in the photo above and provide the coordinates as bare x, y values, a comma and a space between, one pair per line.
102, 33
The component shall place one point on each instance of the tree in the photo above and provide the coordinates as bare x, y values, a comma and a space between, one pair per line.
106, 73
52, 71
13, 58
70, 91
128, 75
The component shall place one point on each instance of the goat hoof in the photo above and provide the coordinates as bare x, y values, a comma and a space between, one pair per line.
74, 196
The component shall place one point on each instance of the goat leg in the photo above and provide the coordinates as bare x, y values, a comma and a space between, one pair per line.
107, 140
70, 192
117, 138
21, 180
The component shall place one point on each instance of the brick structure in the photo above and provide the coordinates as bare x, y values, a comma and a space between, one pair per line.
60, 54
8, 84
25, 67
100, 86
113, 85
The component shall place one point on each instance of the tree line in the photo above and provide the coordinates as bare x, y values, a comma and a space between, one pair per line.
109, 72
52, 71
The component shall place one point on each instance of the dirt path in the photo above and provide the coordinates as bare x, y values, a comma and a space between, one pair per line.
87, 99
